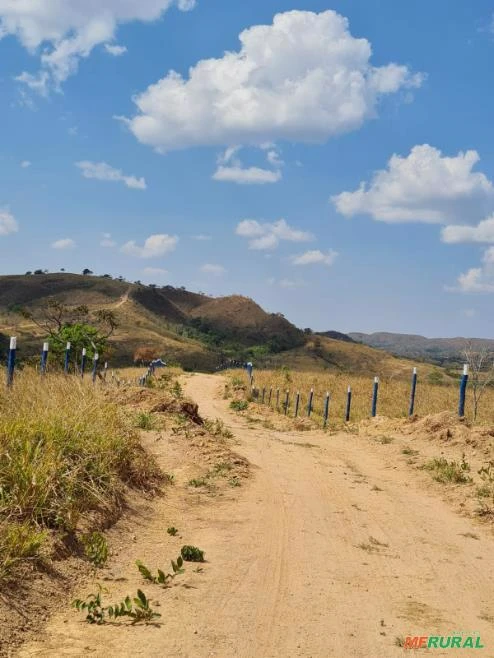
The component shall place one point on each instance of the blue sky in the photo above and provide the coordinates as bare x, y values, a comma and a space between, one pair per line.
337, 165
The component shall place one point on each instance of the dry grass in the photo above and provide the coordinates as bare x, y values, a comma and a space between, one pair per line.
394, 394
66, 452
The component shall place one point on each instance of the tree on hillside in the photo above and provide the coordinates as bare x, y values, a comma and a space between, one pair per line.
74, 324
86, 271
481, 372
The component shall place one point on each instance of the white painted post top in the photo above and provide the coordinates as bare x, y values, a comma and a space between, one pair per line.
106, 365
465, 369
68, 346
96, 356
46, 347
349, 389
83, 351
415, 371
376, 380
13, 343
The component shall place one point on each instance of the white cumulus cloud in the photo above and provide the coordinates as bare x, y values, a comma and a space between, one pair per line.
457, 233
103, 171
153, 247
302, 78
478, 279
8, 223
315, 256
115, 50
25, 164
425, 186
247, 175
266, 235
64, 243
211, 268
64, 31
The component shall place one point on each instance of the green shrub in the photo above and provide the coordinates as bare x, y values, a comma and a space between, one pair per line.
192, 554
239, 405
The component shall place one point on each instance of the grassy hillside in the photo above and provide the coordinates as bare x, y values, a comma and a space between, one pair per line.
193, 329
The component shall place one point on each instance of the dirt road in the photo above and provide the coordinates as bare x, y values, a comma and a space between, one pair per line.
332, 549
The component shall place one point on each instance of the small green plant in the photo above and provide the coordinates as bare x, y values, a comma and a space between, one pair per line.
95, 548
172, 531
444, 471
138, 609
18, 541
192, 554
176, 390
239, 405
144, 421
198, 482
238, 382
161, 578
385, 440
234, 481
409, 451
217, 429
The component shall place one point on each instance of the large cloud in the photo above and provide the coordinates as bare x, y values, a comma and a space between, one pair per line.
303, 78
70, 29
8, 223
153, 247
425, 186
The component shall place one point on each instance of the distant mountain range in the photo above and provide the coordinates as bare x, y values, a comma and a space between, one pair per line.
441, 351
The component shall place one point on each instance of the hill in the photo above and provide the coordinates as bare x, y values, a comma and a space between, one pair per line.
441, 351
193, 329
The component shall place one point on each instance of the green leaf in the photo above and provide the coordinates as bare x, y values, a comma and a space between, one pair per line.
142, 597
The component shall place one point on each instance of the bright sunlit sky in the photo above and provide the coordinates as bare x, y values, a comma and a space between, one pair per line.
332, 160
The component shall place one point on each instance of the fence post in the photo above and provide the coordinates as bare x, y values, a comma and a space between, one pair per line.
270, 394
44, 357
263, 394
105, 370
83, 361
326, 409
374, 396
348, 404
277, 399
67, 359
11, 361
95, 366
309, 403
287, 402
297, 402
412, 392
463, 391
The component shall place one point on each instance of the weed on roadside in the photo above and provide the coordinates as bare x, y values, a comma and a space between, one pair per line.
95, 548
192, 554
448, 472
137, 609
239, 405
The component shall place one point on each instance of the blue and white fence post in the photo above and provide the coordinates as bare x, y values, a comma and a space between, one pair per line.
11, 360
44, 357
375, 393
95, 366
297, 402
83, 361
67, 359
309, 403
412, 393
250, 369
326, 409
348, 404
463, 391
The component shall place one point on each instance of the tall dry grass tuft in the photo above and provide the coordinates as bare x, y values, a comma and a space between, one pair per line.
394, 394
65, 451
